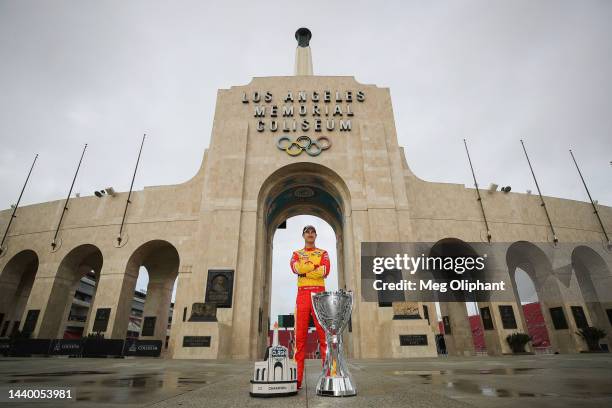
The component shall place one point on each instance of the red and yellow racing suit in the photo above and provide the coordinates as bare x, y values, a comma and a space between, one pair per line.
312, 267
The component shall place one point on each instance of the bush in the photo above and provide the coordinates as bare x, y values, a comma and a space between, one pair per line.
591, 336
517, 341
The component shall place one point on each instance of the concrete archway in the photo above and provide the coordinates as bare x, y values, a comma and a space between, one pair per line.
595, 282
78, 262
16, 282
557, 314
161, 260
297, 189
459, 342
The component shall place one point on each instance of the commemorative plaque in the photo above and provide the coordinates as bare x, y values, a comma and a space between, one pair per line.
413, 339
579, 317
487, 320
447, 325
219, 287
101, 320
196, 341
203, 312
148, 326
507, 316
405, 310
30, 322
558, 318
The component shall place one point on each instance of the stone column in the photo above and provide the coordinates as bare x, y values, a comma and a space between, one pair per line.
157, 304
115, 290
459, 342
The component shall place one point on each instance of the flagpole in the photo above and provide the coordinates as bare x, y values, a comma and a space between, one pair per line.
479, 199
59, 224
128, 202
16, 206
542, 203
591, 199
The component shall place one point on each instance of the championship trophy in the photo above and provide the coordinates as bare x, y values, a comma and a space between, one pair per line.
333, 310
276, 376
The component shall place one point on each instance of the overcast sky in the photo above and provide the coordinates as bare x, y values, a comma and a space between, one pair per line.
102, 72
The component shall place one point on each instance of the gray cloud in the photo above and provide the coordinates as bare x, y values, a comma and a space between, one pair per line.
491, 72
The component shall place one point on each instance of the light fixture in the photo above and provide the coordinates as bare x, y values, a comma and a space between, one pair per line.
528, 192
492, 187
99, 194
110, 191
506, 189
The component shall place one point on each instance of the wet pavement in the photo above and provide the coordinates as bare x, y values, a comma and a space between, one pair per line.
581, 380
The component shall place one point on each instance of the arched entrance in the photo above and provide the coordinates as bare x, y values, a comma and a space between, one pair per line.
533, 261
297, 189
16, 283
593, 278
161, 261
83, 260
286, 239
458, 336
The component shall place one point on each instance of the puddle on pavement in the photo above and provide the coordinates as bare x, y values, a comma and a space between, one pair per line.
439, 377
470, 387
62, 374
125, 388
484, 371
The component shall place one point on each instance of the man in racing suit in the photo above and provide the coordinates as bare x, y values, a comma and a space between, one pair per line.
311, 265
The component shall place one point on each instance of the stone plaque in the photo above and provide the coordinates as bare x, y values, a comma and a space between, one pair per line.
30, 322
405, 310
219, 287
487, 320
506, 313
579, 317
196, 341
446, 324
558, 318
5, 327
413, 339
101, 320
203, 312
148, 326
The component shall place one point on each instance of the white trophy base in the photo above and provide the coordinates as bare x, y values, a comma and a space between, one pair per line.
273, 388
336, 387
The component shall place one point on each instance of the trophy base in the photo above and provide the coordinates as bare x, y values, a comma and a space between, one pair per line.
262, 389
336, 387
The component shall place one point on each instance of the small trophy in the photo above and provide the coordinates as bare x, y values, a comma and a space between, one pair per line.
333, 310
276, 376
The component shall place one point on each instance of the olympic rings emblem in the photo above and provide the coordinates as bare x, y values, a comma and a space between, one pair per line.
303, 144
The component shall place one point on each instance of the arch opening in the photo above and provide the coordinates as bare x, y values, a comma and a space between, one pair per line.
146, 312
462, 326
72, 294
16, 282
301, 189
594, 280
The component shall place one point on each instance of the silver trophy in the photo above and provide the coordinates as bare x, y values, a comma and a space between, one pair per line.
333, 310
